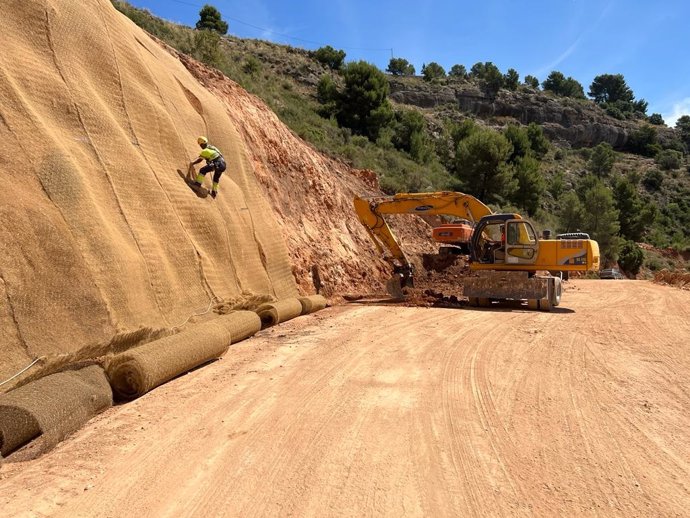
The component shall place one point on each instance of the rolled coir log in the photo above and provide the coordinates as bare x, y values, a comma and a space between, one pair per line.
138, 370
51, 408
243, 324
312, 303
277, 312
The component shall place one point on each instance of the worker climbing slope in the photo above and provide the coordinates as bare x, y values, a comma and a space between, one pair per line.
214, 162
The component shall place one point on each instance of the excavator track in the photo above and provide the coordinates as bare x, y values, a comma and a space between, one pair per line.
541, 292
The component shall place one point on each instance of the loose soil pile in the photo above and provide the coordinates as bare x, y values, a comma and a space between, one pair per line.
673, 278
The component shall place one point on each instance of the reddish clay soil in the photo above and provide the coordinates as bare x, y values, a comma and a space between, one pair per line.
380, 409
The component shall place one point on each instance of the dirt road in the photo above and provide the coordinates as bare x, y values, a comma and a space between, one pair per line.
382, 410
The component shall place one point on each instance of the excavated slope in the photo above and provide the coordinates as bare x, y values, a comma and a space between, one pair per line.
101, 236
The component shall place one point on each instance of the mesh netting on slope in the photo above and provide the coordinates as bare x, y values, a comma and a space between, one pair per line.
102, 236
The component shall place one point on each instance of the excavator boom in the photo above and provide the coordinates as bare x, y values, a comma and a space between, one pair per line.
371, 210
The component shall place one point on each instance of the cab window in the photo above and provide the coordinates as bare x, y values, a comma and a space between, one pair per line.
520, 234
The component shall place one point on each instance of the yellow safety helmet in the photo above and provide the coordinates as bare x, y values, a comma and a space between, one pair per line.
202, 140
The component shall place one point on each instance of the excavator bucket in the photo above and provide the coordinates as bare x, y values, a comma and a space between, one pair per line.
394, 287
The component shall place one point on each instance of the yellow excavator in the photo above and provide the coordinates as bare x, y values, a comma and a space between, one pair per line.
507, 259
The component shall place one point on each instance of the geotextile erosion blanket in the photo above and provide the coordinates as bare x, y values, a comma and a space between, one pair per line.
281, 311
100, 232
243, 324
47, 410
312, 303
138, 370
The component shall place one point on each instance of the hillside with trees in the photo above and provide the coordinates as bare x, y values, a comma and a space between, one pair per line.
571, 156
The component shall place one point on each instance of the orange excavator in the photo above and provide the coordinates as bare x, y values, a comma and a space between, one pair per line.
456, 236
508, 260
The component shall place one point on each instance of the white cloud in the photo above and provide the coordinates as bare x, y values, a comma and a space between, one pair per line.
680, 108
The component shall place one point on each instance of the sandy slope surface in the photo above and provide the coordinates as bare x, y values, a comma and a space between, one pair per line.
386, 410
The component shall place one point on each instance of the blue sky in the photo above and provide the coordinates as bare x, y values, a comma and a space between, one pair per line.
646, 41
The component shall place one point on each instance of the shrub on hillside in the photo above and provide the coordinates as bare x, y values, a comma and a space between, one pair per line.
458, 71
656, 119
610, 88
511, 79
207, 48
532, 82
489, 76
602, 159
400, 67
210, 20
330, 57
251, 65
530, 184
557, 83
635, 215
557, 184
669, 159
481, 164
409, 135
683, 127
327, 90
363, 104
538, 142
653, 180
644, 141
600, 218
630, 258
517, 136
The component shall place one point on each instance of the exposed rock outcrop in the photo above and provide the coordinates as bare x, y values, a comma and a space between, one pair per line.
579, 122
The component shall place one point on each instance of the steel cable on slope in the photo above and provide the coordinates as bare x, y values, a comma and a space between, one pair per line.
214, 299
21, 371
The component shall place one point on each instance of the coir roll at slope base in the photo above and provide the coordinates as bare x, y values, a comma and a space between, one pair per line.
51, 408
312, 303
135, 372
281, 311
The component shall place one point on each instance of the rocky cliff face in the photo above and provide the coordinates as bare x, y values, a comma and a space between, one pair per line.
580, 123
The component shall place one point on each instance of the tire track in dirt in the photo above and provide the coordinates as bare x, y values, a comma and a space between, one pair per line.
393, 411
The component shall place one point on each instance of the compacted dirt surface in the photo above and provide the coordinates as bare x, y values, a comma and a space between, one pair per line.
381, 409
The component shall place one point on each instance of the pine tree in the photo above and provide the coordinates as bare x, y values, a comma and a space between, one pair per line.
601, 219
480, 163
210, 19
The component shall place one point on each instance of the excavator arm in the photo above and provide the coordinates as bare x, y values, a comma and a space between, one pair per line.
371, 211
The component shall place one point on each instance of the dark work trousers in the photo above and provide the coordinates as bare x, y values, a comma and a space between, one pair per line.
217, 165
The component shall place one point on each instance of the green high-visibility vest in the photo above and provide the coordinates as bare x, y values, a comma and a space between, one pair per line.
210, 153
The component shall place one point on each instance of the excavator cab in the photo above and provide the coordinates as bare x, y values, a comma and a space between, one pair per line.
521, 244
504, 239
